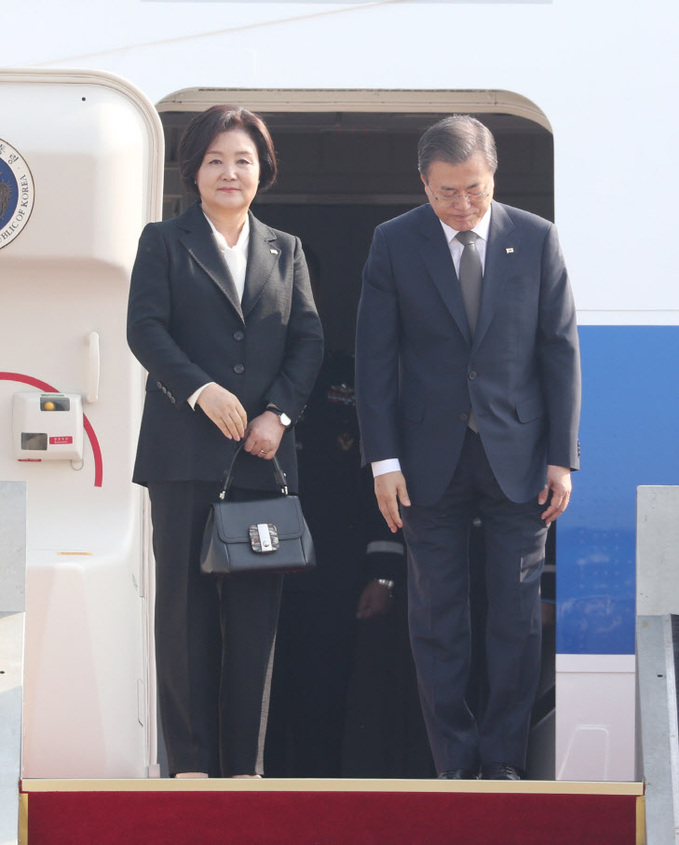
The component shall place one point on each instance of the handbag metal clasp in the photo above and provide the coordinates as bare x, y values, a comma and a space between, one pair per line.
263, 537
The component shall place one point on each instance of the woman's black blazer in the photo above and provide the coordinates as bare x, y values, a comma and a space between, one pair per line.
187, 327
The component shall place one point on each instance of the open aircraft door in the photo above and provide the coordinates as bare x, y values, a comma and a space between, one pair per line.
80, 173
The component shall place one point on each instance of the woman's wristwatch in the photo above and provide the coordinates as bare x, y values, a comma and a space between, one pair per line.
286, 422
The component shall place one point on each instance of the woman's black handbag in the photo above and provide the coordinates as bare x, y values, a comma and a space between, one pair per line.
263, 535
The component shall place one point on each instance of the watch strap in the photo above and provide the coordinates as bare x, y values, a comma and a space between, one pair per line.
284, 418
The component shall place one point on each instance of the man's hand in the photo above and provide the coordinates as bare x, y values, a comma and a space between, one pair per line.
263, 435
374, 600
225, 411
390, 490
559, 485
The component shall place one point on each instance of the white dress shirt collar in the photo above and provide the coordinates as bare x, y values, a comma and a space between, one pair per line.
482, 227
242, 238
456, 247
236, 256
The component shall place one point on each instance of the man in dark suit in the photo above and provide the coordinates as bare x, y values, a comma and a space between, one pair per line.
468, 392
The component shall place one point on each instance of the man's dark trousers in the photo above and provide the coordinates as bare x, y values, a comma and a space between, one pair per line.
437, 538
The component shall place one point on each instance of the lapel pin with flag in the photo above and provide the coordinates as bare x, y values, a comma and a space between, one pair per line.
509, 250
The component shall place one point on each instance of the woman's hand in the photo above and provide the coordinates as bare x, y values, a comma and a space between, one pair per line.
263, 435
225, 411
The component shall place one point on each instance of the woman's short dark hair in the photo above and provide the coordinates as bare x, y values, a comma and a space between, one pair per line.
456, 139
205, 127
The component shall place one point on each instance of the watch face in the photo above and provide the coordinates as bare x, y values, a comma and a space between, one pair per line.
285, 419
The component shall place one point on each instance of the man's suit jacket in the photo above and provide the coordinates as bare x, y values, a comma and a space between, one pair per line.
419, 372
187, 327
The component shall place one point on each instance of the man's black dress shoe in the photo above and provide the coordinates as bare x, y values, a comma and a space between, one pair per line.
459, 774
499, 771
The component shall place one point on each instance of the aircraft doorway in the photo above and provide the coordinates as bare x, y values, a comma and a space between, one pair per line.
343, 171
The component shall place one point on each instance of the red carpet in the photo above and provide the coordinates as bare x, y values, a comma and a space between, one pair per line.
306, 816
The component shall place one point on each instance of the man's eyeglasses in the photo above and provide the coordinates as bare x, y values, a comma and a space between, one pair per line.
449, 197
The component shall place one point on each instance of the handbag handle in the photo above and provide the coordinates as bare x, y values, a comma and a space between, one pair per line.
279, 475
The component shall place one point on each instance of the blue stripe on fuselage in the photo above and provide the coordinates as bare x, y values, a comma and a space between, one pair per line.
629, 437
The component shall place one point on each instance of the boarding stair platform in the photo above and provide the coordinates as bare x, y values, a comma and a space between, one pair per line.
342, 811
330, 812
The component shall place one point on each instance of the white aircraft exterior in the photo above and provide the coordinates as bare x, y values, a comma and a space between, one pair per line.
90, 95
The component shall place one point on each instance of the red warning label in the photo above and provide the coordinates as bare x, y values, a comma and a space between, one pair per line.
57, 441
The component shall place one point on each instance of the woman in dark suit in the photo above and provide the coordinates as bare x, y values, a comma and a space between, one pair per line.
222, 317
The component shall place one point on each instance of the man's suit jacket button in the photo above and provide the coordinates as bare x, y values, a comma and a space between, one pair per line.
239, 335
473, 374
239, 369
464, 417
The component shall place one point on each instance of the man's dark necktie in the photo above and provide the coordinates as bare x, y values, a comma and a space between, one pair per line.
471, 277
